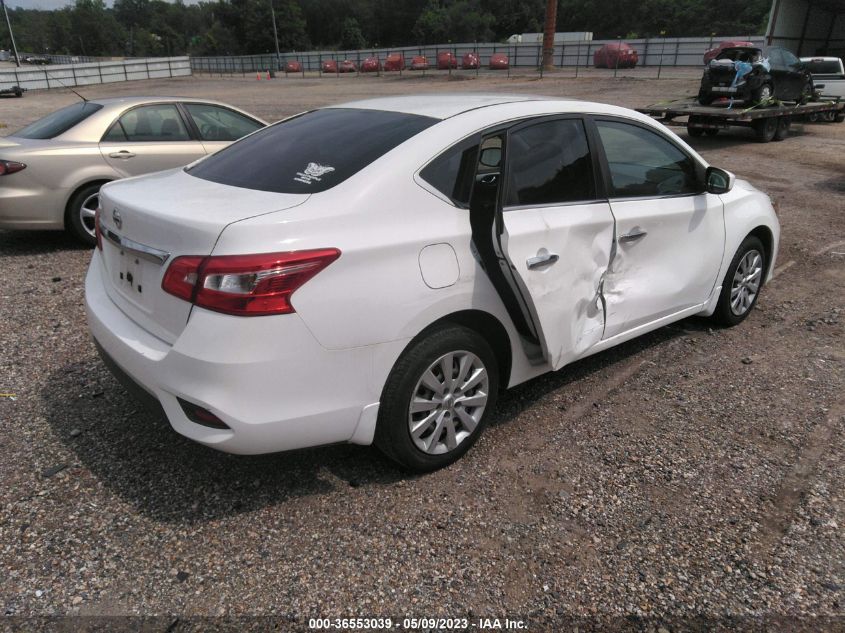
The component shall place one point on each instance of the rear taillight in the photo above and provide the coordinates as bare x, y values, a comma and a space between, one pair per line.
245, 285
10, 167
97, 230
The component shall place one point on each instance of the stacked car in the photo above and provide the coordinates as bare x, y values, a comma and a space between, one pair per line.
615, 55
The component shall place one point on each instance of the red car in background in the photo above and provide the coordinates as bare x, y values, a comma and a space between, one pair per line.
419, 62
347, 66
394, 61
293, 66
615, 55
499, 61
328, 66
370, 65
445, 60
470, 61
713, 52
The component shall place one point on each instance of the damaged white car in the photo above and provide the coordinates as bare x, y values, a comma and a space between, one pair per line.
378, 271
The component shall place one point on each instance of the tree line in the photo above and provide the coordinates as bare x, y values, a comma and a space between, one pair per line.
242, 27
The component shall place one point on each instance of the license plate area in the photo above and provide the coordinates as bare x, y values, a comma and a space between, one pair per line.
724, 89
130, 274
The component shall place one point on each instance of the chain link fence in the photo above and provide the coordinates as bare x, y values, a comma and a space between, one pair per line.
653, 53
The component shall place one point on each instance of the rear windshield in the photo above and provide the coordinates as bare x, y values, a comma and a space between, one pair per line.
312, 152
824, 67
59, 122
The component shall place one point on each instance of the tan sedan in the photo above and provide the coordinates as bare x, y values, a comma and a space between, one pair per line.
51, 171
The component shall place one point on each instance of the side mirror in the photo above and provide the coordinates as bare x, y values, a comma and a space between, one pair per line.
718, 180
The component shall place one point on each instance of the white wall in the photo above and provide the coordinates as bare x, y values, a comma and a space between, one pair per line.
61, 76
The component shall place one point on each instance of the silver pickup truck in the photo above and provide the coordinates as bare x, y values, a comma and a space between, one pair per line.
827, 72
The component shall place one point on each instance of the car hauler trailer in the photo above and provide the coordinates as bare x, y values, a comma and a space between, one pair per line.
770, 123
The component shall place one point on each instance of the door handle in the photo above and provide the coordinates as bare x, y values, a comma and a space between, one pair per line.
122, 154
632, 236
542, 259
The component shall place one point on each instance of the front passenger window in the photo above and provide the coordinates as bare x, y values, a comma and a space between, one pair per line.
644, 164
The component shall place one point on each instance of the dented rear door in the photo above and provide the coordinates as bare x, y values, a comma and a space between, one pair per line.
556, 234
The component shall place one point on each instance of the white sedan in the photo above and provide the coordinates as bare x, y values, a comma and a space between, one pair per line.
378, 271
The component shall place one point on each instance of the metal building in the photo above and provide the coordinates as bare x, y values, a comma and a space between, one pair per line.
808, 27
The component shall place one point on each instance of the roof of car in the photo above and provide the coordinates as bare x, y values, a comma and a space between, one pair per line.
130, 101
441, 106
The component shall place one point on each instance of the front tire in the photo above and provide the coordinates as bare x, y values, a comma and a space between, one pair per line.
81, 210
437, 399
762, 94
743, 283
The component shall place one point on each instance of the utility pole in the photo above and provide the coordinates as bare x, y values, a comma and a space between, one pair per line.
275, 36
549, 35
11, 35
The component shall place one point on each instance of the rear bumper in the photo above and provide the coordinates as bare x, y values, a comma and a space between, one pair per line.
267, 378
30, 208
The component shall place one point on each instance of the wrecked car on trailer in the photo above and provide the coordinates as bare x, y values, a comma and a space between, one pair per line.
746, 73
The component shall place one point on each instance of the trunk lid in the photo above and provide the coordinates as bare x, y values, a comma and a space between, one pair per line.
149, 221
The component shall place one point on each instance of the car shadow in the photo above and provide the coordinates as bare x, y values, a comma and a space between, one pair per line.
516, 400
171, 479
15, 243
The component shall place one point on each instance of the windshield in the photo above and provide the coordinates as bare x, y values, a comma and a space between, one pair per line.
312, 152
59, 122
749, 55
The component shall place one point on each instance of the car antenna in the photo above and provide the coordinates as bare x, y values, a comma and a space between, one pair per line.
64, 85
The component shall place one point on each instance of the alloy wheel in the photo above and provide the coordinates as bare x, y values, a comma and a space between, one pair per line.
448, 402
746, 282
87, 213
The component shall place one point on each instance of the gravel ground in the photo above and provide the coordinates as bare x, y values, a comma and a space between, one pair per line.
690, 479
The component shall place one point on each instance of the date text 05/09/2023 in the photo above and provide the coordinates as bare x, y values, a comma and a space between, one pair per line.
418, 624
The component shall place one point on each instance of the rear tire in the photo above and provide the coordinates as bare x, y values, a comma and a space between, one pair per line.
743, 283
80, 214
711, 131
439, 373
765, 129
782, 132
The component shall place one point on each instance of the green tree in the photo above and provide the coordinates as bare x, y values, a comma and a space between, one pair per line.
351, 36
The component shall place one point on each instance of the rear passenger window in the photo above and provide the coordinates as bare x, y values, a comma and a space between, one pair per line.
644, 164
451, 172
149, 123
549, 163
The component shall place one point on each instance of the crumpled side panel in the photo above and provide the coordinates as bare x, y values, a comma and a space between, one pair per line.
565, 296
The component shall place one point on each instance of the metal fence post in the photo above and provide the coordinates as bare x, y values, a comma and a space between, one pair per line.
578, 58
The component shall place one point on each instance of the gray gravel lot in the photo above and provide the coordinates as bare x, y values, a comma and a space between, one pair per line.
695, 472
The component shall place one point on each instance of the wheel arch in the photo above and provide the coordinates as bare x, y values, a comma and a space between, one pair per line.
485, 324
764, 234
76, 190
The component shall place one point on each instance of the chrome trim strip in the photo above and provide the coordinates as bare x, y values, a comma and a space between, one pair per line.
141, 250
